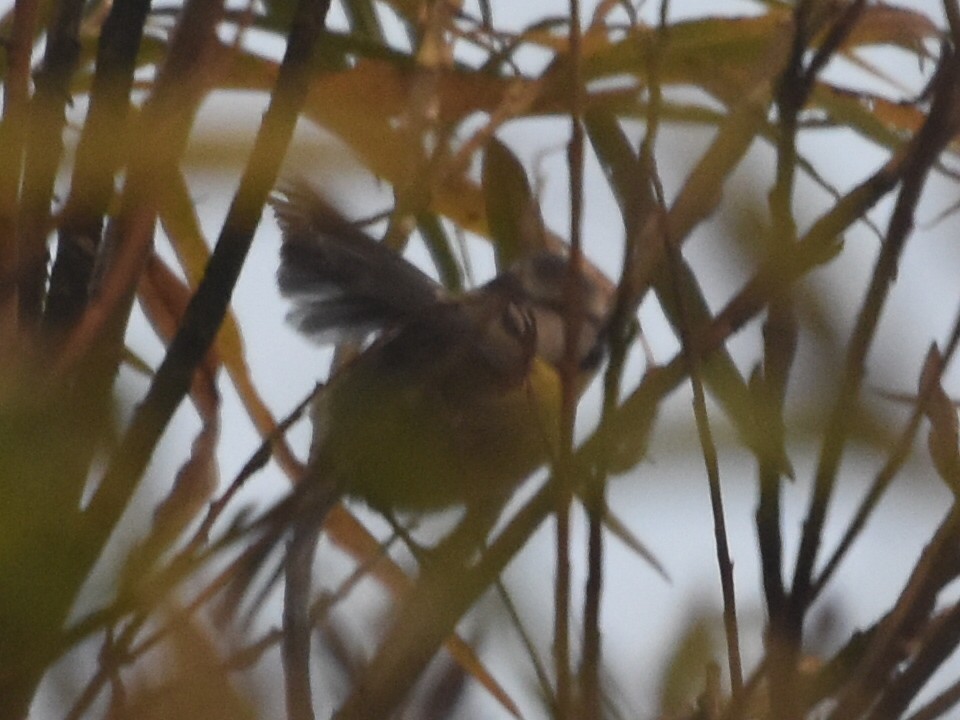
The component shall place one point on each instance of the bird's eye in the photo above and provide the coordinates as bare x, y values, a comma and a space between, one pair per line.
517, 321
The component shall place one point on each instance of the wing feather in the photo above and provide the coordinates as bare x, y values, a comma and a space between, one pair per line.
343, 284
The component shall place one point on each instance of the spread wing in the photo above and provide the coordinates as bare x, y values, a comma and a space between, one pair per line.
343, 284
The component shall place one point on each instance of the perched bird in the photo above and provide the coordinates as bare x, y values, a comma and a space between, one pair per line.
453, 399
457, 398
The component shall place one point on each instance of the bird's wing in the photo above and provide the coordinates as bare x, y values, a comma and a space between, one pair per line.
343, 283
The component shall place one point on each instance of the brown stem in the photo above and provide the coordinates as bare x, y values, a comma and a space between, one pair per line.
100, 153
43, 153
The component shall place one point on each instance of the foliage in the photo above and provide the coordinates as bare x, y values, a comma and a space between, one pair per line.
403, 84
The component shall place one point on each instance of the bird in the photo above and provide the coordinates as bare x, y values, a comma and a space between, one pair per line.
453, 399
457, 398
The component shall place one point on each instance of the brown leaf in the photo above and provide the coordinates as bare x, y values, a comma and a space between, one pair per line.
883, 24
942, 440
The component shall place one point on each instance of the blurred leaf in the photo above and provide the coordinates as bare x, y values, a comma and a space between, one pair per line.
195, 483
194, 486
409, 10
623, 533
618, 158
942, 441
44, 8
685, 675
363, 19
137, 363
358, 106
354, 539
178, 216
884, 122
192, 683
278, 15
513, 215
882, 24
724, 56
49, 434
634, 195
466, 658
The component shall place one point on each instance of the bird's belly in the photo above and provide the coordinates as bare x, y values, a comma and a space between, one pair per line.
404, 448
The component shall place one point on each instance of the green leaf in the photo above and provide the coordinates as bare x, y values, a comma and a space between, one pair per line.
512, 214
621, 166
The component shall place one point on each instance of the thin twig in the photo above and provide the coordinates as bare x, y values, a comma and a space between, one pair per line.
543, 677
573, 321
257, 461
693, 355
940, 127
898, 456
114, 654
941, 705
297, 627
779, 346
938, 564
938, 641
